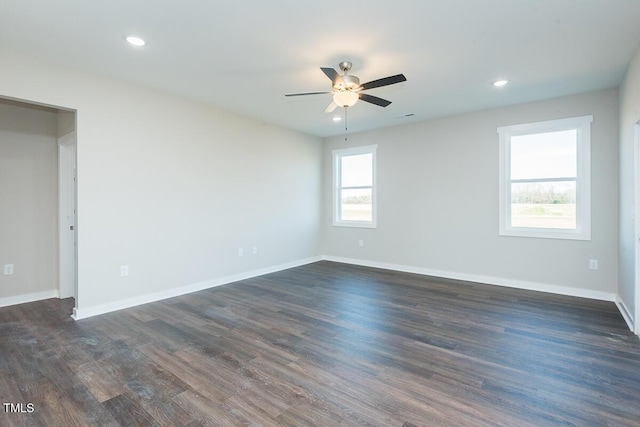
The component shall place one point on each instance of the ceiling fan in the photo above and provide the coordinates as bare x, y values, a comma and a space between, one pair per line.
347, 89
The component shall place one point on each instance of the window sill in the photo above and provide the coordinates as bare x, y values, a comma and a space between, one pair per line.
546, 233
354, 224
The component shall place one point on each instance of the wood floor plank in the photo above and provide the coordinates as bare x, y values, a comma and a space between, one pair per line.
99, 382
128, 412
167, 413
206, 411
326, 344
198, 379
70, 406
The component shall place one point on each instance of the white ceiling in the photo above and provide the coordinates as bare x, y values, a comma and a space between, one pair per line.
244, 56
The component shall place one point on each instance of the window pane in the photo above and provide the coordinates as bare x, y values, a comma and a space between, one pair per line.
357, 171
544, 205
544, 155
355, 205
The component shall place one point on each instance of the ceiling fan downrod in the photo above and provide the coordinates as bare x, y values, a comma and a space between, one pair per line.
345, 66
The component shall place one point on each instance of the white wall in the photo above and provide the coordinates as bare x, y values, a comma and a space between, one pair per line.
629, 116
28, 202
438, 202
174, 188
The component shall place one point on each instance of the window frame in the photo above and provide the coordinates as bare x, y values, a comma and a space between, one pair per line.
582, 125
338, 154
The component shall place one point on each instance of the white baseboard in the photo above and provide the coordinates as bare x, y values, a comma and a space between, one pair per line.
626, 314
84, 313
489, 280
25, 298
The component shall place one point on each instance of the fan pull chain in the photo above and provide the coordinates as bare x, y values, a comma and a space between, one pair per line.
345, 123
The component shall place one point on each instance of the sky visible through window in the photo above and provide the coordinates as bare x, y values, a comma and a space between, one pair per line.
357, 171
544, 155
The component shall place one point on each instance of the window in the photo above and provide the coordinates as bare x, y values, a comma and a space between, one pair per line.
545, 179
354, 194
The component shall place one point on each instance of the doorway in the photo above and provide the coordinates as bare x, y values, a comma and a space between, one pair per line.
38, 245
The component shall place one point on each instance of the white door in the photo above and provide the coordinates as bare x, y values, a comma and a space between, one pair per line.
67, 215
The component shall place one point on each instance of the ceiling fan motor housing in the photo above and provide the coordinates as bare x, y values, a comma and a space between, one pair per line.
347, 82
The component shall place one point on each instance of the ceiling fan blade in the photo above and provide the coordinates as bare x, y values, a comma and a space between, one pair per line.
331, 107
398, 78
332, 74
306, 93
374, 100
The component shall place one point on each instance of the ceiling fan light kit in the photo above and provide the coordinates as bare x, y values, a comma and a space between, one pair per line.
347, 90
345, 98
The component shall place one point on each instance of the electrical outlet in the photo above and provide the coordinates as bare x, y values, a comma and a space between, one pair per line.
240, 252
8, 269
255, 250
361, 243
593, 264
124, 270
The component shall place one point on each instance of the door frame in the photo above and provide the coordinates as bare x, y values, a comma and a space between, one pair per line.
636, 191
67, 217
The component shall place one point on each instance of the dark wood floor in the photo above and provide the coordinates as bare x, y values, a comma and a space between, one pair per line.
326, 345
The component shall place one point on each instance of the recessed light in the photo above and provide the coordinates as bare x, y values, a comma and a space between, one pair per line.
500, 83
336, 118
136, 41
